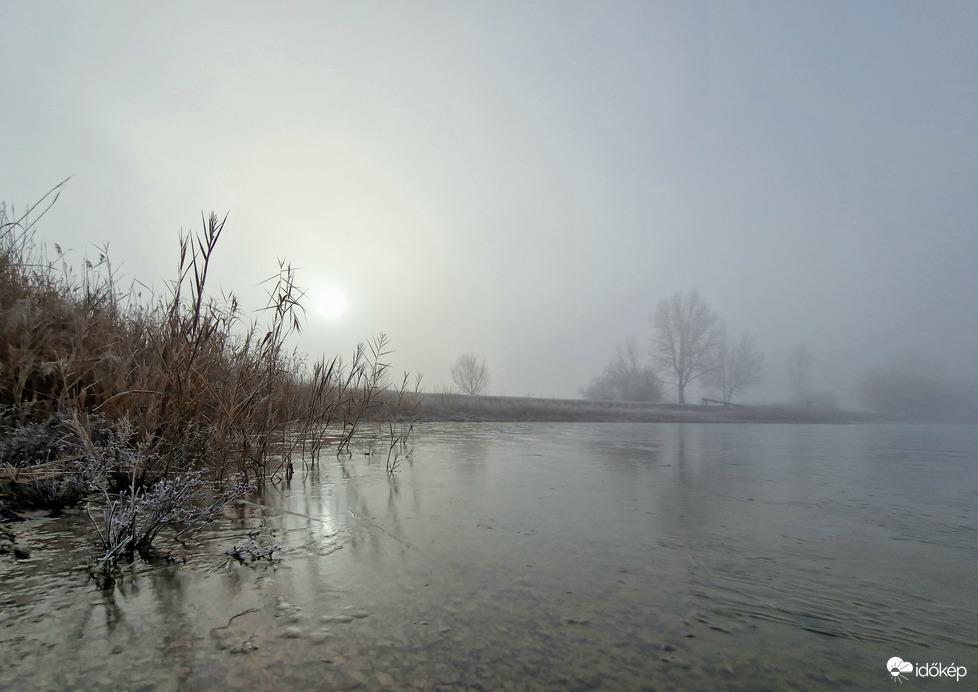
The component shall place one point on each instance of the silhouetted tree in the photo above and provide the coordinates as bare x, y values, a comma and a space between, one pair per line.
800, 372
625, 379
735, 366
469, 374
683, 346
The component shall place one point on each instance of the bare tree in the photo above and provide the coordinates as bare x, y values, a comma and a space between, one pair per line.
735, 366
800, 372
686, 331
469, 374
625, 378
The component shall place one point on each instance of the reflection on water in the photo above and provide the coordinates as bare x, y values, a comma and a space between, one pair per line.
543, 556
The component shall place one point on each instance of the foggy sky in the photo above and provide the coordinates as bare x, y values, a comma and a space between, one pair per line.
526, 180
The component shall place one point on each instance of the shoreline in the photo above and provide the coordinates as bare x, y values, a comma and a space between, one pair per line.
465, 408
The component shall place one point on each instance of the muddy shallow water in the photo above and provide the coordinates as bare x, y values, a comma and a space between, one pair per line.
542, 556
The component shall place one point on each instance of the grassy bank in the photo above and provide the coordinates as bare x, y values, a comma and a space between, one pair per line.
459, 407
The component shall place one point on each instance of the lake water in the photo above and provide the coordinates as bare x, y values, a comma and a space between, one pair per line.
544, 556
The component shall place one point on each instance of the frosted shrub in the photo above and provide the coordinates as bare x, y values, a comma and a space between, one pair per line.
47, 464
130, 522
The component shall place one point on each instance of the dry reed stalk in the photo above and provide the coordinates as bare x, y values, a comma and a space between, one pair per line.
197, 385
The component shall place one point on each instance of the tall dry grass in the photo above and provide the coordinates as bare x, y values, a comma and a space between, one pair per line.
195, 382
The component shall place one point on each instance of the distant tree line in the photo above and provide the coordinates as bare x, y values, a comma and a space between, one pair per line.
690, 343
916, 387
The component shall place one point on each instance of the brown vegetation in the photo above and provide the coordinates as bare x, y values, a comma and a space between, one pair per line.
105, 393
178, 365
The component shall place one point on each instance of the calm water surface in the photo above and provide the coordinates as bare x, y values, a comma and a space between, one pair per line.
544, 556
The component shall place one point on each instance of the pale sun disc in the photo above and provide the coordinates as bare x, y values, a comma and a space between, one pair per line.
329, 303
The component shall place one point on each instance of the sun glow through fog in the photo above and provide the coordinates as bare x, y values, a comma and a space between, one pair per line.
329, 303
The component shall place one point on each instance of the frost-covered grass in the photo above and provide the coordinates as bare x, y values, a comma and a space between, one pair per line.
75, 339
129, 522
